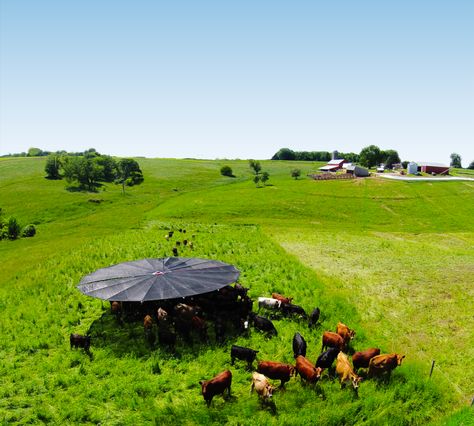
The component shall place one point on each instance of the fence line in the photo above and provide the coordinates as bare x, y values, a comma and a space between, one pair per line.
331, 176
446, 377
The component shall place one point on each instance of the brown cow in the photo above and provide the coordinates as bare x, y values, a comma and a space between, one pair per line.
185, 312
281, 298
345, 372
262, 386
200, 326
361, 359
345, 332
215, 386
385, 363
307, 370
332, 340
147, 323
276, 370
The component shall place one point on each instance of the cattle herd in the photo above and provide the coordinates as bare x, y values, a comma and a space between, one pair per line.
229, 310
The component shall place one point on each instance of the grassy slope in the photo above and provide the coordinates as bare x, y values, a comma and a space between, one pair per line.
320, 223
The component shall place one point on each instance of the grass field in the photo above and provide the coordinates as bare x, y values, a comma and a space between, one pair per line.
394, 260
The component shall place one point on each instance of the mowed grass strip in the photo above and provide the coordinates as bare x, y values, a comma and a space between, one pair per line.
127, 381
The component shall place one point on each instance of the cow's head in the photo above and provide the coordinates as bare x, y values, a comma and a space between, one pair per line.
352, 334
87, 342
268, 391
400, 359
355, 381
203, 384
162, 314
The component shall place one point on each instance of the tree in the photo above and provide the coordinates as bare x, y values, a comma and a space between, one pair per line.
34, 152
86, 171
284, 154
109, 167
256, 179
226, 171
370, 156
264, 177
296, 173
52, 167
255, 165
456, 160
471, 166
389, 158
128, 173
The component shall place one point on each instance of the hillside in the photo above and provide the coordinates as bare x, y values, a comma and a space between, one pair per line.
392, 259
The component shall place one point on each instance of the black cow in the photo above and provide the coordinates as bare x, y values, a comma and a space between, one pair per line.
241, 290
263, 324
244, 354
299, 345
314, 317
290, 309
219, 328
167, 337
175, 252
79, 341
326, 359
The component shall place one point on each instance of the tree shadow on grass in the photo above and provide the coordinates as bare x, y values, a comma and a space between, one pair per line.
94, 189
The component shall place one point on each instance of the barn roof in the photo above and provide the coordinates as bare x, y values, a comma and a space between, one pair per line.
329, 167
336, 162
421, 164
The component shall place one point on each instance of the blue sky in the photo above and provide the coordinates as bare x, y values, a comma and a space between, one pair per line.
223, 79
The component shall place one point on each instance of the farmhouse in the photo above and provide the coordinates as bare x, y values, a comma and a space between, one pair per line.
333, 165
438, 168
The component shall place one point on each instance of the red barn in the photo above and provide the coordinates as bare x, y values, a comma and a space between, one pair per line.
333, 166
438, 168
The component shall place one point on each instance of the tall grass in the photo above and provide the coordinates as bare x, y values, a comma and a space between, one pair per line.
126, 381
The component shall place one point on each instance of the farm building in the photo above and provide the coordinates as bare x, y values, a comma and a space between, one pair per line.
357, 171
438, 168
333, 166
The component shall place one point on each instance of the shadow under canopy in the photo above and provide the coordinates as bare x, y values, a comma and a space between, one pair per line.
158, 279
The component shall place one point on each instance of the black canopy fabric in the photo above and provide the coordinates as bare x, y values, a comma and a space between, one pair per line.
158, 279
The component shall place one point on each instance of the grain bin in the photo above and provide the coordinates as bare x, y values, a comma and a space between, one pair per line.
412, 168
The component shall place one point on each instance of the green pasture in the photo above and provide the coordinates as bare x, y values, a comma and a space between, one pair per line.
394, 260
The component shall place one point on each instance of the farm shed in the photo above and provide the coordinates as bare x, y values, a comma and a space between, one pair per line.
438, 168
333, 165
357, 171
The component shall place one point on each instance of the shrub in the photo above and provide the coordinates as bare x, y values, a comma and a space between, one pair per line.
13, 228
226, 171
28, 231
296, 173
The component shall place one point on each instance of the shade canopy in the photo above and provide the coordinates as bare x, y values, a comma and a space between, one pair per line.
158, 279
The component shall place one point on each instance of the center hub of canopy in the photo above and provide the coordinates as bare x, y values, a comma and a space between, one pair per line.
158, 273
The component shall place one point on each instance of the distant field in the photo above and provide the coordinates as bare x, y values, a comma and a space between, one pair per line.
393, 260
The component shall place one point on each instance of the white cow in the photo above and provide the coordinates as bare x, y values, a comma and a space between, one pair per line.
268, 303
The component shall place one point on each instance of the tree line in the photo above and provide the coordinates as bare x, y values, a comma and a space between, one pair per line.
91, 169
288, 154
38, 152
370, 156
